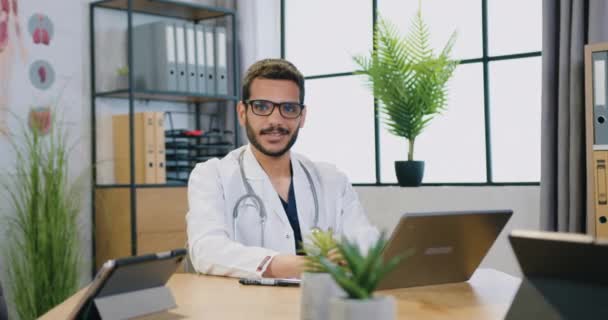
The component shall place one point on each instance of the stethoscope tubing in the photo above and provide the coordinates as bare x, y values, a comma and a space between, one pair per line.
259, 204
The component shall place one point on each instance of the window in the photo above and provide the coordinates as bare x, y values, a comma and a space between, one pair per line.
332, 100
320, 38
475, 140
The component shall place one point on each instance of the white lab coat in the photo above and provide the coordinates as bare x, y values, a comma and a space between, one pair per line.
216, 185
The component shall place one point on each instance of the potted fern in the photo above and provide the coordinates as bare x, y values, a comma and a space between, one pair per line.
317, 285
123, 77
41, 254
409, 81
359, 278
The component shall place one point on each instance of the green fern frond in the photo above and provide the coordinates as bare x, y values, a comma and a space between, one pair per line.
407, 77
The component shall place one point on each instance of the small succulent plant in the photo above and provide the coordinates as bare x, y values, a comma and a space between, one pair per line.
320, 246
361, 275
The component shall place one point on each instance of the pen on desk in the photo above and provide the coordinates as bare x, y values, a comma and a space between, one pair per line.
270, 282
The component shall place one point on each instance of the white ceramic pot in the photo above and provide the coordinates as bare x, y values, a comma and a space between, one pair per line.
318, 289
377, 308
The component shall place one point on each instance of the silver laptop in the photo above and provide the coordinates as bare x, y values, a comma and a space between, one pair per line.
447, 246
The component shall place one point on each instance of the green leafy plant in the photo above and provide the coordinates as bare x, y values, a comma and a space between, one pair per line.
407, 78
123, 71
361, 275
322, 242
42, 248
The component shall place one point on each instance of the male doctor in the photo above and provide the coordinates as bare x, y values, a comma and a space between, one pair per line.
250, 211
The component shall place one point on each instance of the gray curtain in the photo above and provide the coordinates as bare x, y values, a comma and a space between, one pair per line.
567, 26
259, 28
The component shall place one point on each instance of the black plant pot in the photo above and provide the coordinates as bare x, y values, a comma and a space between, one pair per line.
409, 173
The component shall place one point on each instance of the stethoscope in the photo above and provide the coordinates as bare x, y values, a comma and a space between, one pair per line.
258, 204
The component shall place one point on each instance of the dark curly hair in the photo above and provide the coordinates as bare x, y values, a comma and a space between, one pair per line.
274, 69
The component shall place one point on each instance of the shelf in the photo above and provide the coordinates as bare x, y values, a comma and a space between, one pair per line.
167, 8
165, 96
173, 135
183, 145
165, 185
191, 158
122, 210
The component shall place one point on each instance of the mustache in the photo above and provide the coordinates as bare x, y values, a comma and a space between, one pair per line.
270, 130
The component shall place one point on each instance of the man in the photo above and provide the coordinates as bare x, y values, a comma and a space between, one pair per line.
250, 211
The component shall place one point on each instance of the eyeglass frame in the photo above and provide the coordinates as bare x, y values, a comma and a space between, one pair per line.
274, 105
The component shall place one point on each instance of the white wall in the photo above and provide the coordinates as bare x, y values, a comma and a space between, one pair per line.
384, 206
68, 54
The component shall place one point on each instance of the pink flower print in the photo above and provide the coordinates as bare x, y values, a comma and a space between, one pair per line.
41, 36
4, 15
42, 74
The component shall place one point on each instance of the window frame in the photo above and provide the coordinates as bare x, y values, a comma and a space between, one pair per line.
485, 60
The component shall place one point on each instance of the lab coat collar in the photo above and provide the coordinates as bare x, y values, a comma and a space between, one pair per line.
254, 170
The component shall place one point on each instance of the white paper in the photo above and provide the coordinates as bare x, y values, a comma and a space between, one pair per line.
191, 58
170, 38
181, 45
599, 82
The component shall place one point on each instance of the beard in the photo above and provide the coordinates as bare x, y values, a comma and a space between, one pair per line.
251, 135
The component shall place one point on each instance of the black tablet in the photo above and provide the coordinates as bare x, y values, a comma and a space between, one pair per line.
128, 275
560, 255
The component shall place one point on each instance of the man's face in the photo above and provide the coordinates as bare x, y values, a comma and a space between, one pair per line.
272, 135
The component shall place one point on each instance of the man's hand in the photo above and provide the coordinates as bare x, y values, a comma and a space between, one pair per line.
285, 266
335, 256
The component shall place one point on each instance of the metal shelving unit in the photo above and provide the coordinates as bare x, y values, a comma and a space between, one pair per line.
164, 96
191, 12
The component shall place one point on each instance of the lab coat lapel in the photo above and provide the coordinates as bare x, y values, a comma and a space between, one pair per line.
262, 186
304, 199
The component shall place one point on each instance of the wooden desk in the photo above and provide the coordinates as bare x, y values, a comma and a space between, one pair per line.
487, 295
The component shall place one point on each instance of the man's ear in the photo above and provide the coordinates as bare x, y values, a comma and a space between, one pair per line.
303, 117
241, 110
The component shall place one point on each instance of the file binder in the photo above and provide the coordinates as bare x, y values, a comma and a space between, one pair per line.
154, 46
191, 58
600, 110
144, 145
200, 59
221, 61
180, 49
165, 62
160, 159
210, 59
142, 74
600, 161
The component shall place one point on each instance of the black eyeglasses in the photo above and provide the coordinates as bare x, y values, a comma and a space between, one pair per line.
289, 110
